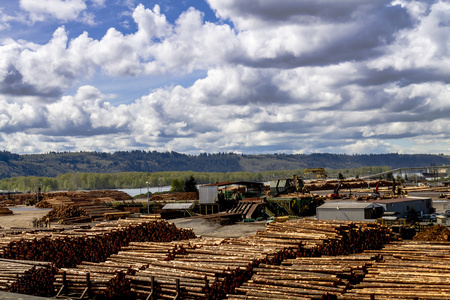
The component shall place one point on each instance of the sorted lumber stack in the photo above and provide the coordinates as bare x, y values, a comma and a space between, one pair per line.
69, 248
409, 270
27, 277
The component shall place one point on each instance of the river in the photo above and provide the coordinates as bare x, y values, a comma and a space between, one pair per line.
143, 190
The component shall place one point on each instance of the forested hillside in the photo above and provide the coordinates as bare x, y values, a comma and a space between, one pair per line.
53, 164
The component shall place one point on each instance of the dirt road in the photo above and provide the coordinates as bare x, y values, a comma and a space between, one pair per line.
22, 216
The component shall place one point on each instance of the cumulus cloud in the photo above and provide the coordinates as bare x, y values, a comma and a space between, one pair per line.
292, 76
67, 10
299, 33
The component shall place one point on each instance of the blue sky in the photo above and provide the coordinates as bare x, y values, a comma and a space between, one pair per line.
254, 76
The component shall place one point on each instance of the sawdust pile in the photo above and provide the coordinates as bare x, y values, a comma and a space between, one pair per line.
434, 233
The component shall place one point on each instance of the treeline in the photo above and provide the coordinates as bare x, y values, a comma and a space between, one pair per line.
122, 180
53, 164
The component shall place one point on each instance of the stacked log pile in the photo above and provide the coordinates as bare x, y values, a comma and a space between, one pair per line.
64, 196
171, 197
27, 277
106, 279
433, 233
5, 211
89, 211
210, 271
206, 269
319, 237
97, 211
70, 248
409, 270
64, 212
311, 238
347, 184
112, 278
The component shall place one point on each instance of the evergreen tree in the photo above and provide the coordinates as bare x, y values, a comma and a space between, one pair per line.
190, 185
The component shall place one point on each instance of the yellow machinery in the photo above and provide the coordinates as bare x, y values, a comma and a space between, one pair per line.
316, 173
280, 219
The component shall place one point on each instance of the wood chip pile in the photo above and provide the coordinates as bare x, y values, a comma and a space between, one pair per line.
70, 248
27, 277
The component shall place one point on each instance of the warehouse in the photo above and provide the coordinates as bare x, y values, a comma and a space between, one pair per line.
407, 207
349, 211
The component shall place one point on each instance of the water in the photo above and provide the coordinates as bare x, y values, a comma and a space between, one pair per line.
143, 190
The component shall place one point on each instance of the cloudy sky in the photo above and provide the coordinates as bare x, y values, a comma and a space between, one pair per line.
253, 76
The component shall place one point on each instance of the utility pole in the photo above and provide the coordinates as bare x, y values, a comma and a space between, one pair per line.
148, 198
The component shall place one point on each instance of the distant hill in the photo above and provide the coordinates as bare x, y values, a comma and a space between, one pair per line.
53, 163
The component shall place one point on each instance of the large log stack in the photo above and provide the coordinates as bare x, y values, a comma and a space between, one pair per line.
286, 261
409, 270
306, 278
209, 269
70, 248
27, 277
345, 184
102, 279
64, 196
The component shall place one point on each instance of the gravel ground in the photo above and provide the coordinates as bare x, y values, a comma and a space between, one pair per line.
207, 228
22, 216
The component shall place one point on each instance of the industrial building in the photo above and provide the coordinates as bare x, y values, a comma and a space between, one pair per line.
408, 206
349, 211
225, 195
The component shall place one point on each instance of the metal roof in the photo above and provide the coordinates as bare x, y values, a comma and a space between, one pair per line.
179, 206
349, 205
399, 200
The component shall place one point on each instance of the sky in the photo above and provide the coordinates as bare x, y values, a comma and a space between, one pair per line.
250, 77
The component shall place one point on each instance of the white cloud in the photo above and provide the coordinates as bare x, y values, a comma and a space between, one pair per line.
297, 76
5, 20
67, 10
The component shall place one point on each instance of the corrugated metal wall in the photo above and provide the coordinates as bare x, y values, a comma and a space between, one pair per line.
208, 194
340, 214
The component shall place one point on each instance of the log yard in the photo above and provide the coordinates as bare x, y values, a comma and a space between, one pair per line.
285, 239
